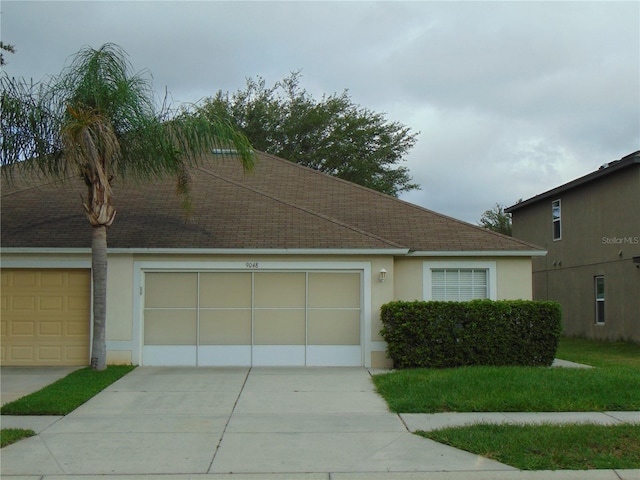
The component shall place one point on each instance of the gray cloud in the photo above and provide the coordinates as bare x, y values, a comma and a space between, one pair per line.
511, 98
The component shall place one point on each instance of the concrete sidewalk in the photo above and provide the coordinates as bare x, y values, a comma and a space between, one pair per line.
284, 423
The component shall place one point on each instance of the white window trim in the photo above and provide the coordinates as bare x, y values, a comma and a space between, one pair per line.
428, 266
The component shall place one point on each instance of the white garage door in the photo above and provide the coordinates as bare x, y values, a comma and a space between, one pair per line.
253, 318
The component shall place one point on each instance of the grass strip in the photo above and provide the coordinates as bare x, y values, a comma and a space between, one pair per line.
510, 389
12, 435
599, 354
68, 393
548, 447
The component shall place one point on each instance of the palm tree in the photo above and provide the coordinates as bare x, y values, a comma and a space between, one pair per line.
99, 121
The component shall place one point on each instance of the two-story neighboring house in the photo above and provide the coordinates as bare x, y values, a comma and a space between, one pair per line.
591, 230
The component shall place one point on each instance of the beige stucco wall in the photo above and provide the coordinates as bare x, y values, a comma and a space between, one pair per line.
408, 283
119, 357
404, 281
119, 297
514, 278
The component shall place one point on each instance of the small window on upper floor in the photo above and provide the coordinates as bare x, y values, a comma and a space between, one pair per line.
599, 294
556, 218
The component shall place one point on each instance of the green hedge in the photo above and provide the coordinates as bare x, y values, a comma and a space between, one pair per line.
479, 332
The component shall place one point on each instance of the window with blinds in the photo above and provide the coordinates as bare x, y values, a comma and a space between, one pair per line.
459, 284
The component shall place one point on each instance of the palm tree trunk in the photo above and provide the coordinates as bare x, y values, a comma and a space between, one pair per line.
99, 275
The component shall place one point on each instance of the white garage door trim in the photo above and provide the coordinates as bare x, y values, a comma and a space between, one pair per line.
265, 354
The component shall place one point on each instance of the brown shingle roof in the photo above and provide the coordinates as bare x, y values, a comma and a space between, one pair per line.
280, 205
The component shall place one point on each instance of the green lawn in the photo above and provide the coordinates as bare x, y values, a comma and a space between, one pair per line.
12, 435
599, 354
61, 397
548, 447
613, 385
67, 394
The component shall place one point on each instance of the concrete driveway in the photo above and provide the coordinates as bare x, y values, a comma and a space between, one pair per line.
235, 420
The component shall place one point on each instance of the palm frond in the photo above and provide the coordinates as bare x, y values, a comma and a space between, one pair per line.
131, 136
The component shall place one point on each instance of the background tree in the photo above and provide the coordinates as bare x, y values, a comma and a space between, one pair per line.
332, 135
5, 47
496, 220
98, 121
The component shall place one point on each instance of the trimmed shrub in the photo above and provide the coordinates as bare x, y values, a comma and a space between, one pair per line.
479, 332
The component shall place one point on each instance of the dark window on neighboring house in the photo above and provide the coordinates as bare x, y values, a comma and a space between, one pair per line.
555, 215
599, 290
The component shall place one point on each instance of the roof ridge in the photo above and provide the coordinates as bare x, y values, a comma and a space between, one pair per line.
399, 200
203, 169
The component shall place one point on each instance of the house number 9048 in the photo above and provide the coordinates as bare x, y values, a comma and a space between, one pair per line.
252, 265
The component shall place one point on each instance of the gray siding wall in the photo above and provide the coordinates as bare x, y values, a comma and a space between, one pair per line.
600, 236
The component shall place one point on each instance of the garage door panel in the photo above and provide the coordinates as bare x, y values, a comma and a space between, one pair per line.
22, 303
45, 316
225, 327
55, 304
52, 279
170, 327
256, 318
340, 290
171, 290
279, 355
334, 327
77, 329
279, 327
76, 355
224, 355
49, 353
77, 278
21, 353
175, 356
280, 290
24, 279
22, 329
225, 290
334, 356
75, 304
50, 329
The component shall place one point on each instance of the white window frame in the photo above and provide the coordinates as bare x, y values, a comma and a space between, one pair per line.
598, 320
557, 220
429, 266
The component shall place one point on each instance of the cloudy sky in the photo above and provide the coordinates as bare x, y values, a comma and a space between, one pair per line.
510, 98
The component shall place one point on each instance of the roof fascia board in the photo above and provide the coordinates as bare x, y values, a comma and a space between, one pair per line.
480, 253
56, 251
214, 251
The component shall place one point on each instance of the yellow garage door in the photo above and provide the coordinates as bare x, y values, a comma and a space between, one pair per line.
45, 317
253, 318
